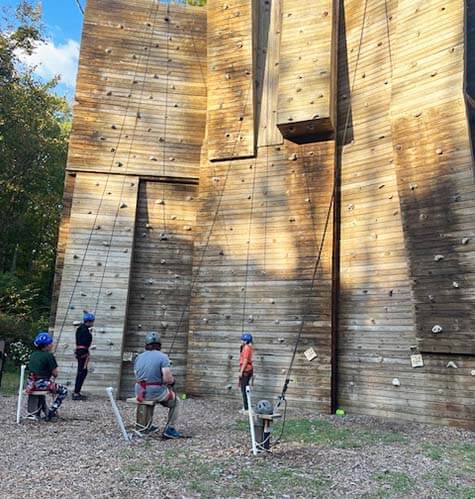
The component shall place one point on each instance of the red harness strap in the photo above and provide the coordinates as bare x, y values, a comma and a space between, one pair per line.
143, 386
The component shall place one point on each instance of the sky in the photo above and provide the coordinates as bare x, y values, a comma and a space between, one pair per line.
59, 55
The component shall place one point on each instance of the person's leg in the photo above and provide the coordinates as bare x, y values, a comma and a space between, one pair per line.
81, 374
173, 405
61, 392
245, 381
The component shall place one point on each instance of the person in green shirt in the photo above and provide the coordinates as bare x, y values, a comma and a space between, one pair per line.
43, 370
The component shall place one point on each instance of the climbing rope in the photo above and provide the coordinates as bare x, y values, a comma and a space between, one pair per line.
332, 199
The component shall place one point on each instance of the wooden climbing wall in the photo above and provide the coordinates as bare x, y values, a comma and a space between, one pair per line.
435, 174
161, 275
141, 91
231, 74
269, 25
379, 57
306, 103
95, 274
259, 228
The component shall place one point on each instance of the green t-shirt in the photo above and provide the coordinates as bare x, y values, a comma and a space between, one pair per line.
42, 363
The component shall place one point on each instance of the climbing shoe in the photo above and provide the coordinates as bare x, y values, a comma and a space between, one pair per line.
78, 396
170, 432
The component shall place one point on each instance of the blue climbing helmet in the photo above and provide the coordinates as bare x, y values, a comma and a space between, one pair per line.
88, 317
42, 339
246, 337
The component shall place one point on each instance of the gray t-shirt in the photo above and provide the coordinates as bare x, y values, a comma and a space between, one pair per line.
148, 367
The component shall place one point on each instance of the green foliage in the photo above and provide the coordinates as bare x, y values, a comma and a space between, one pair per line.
34, 129
394, 483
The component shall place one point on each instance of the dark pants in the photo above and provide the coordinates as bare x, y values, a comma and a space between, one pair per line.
245, 381
83, 360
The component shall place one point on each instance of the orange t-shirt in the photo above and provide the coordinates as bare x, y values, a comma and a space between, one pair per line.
246, 354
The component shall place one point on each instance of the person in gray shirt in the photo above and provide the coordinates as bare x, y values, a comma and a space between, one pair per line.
154, 381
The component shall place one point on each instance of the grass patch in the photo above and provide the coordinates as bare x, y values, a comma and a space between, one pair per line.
392, 483
10, 381
441, 481
461, 455
324, 432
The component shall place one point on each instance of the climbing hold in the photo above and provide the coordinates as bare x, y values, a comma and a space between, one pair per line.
456, 285
148, 226
108, 50
431, 298
437, 329
159, 201
164, 325
413, 187
112, 307
163, 261
125, 250
123, 205
472, 372
76, 323
452, 364
277, 321
205, 320
350, 207
139, 326
163, 237
250, 319
75, 257
439, 151
108, 292
187, 227
83, 294
110, 342
465, 240
293, 157
396, 382
114, 127
438, 258
177, 276
105, 243
153, 158
281, 340
98, 227
150, 281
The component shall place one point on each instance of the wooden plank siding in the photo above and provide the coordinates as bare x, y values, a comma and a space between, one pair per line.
259, 226
231, 74
161, 276
377, 305
307, 79
269, 25
435, 173
141, 92
63, 233
95, 274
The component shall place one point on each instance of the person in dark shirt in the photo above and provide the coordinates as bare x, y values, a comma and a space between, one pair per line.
83, 342
43, 370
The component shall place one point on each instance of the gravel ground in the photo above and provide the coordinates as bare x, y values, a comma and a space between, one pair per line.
83, 455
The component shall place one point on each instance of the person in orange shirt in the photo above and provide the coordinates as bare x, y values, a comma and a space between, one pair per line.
245, 367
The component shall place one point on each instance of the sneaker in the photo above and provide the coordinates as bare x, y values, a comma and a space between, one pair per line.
78, 396
170, 432
52, 417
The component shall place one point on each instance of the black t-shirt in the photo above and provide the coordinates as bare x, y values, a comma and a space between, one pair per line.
42, 363
83, 336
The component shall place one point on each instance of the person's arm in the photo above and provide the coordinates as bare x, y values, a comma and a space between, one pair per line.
55, 372
167, 376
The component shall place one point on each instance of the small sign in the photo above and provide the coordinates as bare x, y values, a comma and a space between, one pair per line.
310, 354
416, 360
127, 356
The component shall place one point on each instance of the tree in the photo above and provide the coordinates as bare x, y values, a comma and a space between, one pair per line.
34, 129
